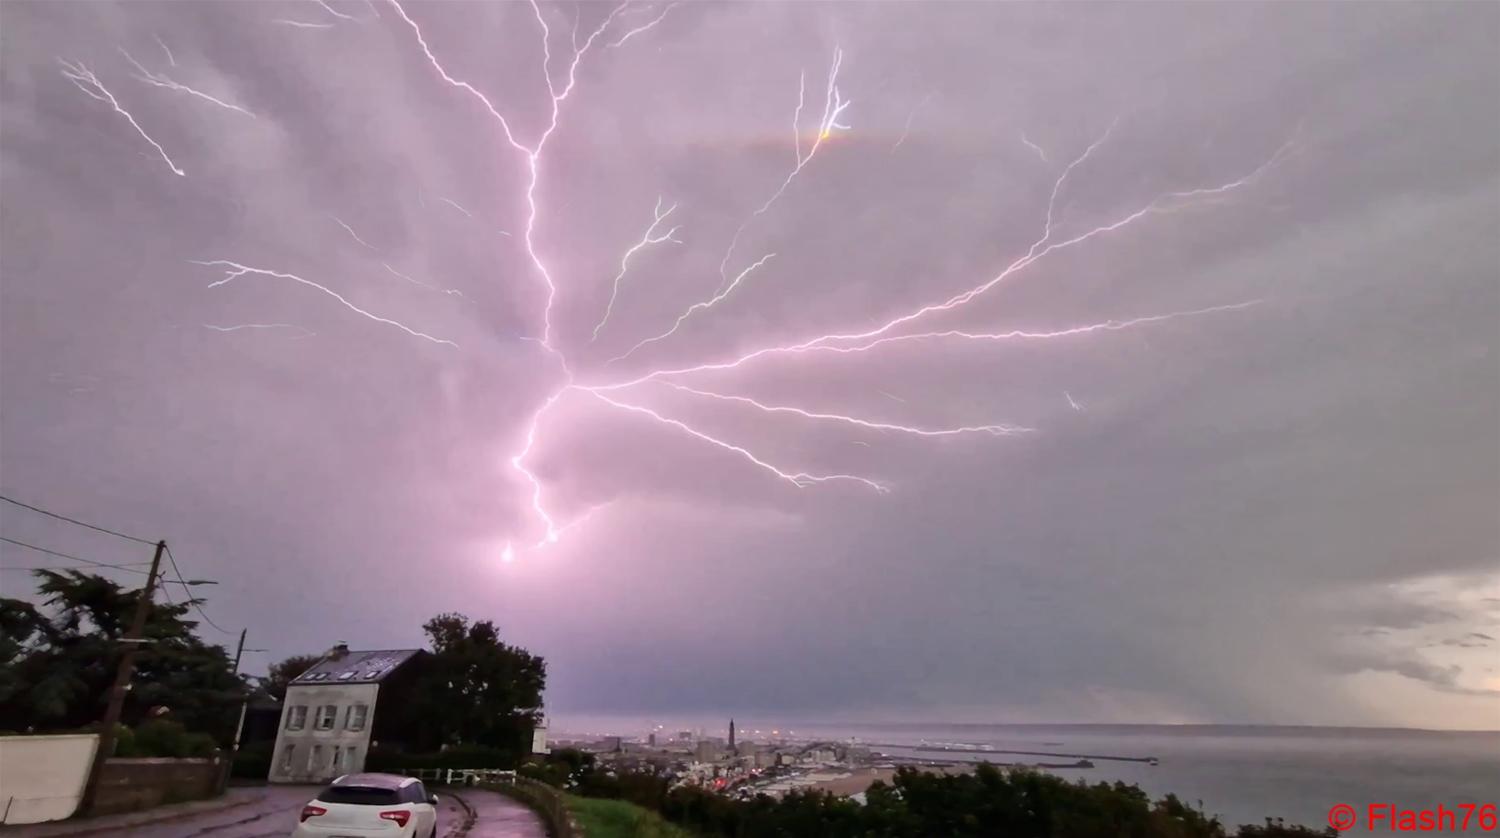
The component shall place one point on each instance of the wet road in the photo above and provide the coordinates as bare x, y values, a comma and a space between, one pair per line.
471, 813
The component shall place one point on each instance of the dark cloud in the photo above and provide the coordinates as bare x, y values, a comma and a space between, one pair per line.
1209, 511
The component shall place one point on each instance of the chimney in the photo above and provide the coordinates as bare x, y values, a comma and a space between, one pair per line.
339, 650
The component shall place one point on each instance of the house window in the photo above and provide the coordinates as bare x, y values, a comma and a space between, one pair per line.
327, 714
286, 757
296, 717
314, 757
334, 763
355, 716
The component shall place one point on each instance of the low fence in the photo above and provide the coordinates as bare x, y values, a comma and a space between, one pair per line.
460, 776
42, 777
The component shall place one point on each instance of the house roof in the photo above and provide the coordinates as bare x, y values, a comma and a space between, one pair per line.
355, 667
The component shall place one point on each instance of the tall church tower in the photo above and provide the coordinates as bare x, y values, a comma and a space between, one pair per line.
731, 734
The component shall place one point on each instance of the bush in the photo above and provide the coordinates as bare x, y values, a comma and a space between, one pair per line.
253, 762
163, 738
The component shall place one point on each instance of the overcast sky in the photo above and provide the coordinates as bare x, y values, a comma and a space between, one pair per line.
1280, 512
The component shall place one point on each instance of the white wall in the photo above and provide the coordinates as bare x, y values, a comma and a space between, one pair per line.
353, 745
42, 777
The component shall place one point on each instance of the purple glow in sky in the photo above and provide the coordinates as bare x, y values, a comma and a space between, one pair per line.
993, 362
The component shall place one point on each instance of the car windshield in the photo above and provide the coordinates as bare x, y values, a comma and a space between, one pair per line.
360, 795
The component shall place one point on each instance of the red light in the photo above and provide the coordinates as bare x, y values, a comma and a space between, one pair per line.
310, 811
399, 817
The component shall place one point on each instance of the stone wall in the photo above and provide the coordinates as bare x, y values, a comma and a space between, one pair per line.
128, 785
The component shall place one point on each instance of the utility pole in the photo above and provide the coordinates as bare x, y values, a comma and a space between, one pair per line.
132, 642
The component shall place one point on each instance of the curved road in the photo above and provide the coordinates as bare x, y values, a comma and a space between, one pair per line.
274, 810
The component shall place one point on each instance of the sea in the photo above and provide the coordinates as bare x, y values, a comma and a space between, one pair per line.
1242, 774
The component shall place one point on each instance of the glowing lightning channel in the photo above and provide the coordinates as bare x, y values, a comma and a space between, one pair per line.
799, 479
335, 12
420, 284
833, 106
647, 240
1020, 334
163, 44
1071, 402
234, 270
1039, 250
306, 333
533, 157
84, 79
158, 80
620, 41
1036, 148
993, 430
455, 205
350, 231
699, 306
301, 24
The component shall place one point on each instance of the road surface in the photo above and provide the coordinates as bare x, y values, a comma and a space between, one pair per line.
274, 810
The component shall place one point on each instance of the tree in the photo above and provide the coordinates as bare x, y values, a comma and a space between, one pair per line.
476, 689
283, 672
58, 666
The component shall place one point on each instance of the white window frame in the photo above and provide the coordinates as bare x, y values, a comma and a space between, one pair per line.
362, 717
296, 717
287, 755
328, 716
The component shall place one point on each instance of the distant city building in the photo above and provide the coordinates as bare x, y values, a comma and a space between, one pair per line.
651, 739
708, 750
331, 711
610, 743
731, 734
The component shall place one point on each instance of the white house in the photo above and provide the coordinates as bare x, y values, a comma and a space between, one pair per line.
328, 717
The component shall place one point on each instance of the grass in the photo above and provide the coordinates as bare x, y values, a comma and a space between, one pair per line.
598, 818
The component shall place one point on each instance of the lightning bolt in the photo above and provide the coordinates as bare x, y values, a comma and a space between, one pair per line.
728, 289
350, 231
306, 333
234, 270
420, 284
455, 205
1036, 148
649, 238
157, 80
799, 479
1071, 403
85, 80
1037, 251
159, 42
833, 106
993, 430
560, 77
335, 12
302, 24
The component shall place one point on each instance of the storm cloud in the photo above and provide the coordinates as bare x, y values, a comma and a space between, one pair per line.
1260, 514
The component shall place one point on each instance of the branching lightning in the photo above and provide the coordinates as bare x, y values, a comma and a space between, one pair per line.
85, 80
649, 238
306, 333
560, 77
158, 80
163, 44
234, 270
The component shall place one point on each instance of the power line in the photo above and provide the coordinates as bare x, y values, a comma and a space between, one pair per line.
89, 562
191, 599
78, 522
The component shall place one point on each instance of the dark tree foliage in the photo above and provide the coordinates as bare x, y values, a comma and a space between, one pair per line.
283, 672
474, 689
987, 802
57, 662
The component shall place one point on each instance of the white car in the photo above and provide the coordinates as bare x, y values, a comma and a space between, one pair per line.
357, 805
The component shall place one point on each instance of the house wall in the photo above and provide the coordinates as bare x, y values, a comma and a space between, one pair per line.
42, 777
307, 755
